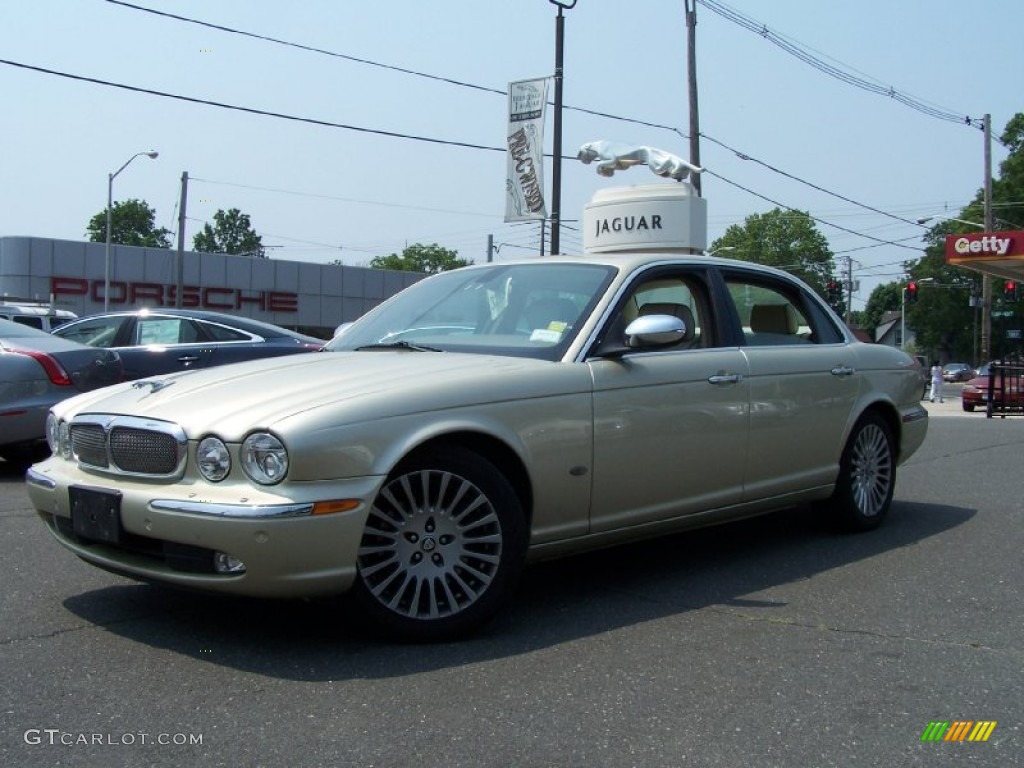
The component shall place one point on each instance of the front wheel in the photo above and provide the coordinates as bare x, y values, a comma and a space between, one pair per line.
443, 546
867, 476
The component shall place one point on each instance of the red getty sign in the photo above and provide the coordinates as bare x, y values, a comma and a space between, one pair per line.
985, 245
192, 296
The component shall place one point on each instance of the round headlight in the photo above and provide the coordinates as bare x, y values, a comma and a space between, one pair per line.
213, 459
264, 458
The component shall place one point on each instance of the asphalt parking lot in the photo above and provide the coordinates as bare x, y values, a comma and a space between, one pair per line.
772, 642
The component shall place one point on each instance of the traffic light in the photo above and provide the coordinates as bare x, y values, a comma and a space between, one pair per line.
834, 292
1010, 291
911, 293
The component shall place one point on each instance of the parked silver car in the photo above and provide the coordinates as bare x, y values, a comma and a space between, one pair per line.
957, 372
480, 419
38, 370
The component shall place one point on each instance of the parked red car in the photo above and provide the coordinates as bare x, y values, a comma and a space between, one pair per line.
975, 394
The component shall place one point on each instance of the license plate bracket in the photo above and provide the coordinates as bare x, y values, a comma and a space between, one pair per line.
96, 514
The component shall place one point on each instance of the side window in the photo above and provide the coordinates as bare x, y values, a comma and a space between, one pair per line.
100, 332
774, 314
683, 297
30, 321
162, 330
223, 333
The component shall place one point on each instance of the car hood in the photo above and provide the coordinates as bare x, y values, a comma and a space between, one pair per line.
353, 386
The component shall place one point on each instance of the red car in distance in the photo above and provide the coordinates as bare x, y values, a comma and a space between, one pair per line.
975, 394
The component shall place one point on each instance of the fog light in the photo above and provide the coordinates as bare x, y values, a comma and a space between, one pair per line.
225, 563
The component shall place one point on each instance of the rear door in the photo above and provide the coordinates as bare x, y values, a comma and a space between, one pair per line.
803, 384
165, 344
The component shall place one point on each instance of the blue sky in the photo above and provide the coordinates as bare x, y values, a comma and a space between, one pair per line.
319, 193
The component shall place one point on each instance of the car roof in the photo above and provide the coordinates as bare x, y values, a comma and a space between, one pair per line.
630, 259
236, 321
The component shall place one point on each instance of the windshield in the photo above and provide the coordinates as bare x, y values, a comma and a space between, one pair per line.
523, 310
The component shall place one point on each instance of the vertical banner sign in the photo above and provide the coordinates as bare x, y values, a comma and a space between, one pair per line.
524, 184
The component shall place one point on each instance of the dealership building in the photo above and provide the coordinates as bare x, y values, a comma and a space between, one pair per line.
72, 275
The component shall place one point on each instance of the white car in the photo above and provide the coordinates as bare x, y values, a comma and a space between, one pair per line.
481, 419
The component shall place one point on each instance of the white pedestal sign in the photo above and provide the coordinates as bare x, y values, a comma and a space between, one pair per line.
648, 217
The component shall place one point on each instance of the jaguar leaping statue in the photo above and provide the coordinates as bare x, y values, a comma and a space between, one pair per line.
613, 156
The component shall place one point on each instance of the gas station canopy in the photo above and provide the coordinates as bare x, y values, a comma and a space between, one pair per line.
999, 254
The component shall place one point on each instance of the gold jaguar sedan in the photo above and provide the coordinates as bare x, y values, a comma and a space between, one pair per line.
481, 419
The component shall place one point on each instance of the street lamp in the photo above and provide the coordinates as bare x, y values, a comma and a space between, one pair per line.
722, 249
903, 311
152, 155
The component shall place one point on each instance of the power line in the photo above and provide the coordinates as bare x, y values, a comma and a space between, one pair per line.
252, 110
804, 55
721, 8
497, 91
370, 62
744, 156
815, 218
372, 131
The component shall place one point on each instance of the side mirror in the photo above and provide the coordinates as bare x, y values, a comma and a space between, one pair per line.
655, 331
341, 329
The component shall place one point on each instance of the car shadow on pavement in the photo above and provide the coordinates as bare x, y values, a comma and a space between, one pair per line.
557, 602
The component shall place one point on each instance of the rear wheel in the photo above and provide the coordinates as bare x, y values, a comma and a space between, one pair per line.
867, 476
443, 546
969, 407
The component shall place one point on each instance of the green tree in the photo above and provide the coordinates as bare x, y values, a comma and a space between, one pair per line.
421, 258
231, 232
788, 240
132, 222
942, 317
886, 297
1008, 188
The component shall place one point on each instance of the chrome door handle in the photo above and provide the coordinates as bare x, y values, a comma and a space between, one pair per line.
843, 370
188, 358
724, 378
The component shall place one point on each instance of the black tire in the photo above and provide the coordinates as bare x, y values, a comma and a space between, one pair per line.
867, 476
443, 547
969, 407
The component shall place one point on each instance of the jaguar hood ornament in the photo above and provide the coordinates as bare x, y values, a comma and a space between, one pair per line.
155, 385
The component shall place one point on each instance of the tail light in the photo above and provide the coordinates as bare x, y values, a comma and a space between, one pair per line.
53, 368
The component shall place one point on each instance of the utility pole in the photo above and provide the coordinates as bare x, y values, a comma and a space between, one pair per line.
986, 279
179, 258
691, 62
556, 170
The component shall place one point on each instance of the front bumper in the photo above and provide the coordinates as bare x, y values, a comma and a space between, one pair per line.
172, 532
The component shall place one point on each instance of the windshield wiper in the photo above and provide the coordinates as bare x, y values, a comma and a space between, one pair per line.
399, 345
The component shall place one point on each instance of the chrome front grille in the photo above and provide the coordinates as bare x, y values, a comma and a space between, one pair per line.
89, 442
128, 445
